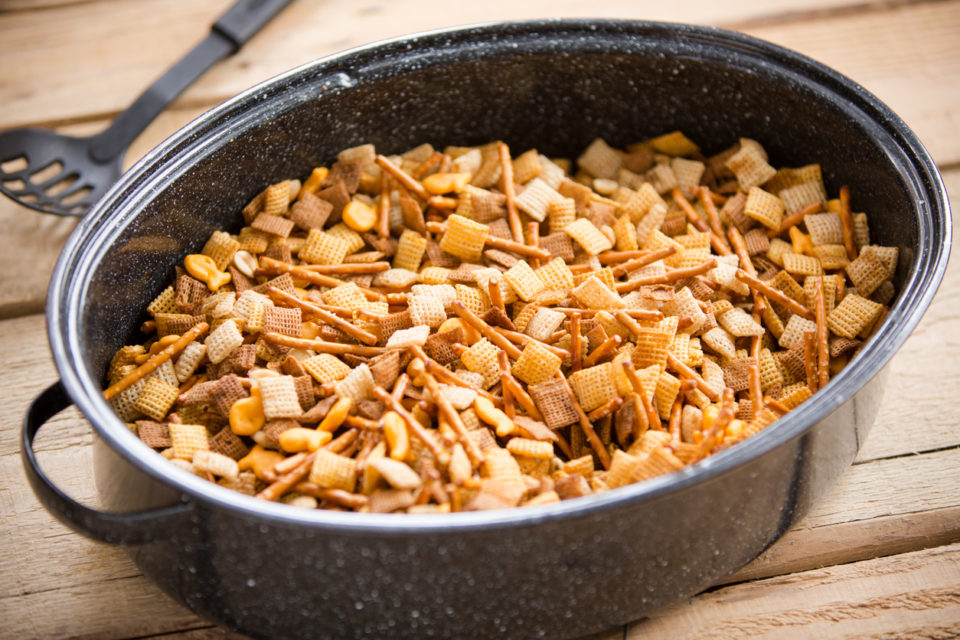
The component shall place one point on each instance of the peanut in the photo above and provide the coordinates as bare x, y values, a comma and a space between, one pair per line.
245, 262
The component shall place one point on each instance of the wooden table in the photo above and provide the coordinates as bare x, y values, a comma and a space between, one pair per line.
879, 557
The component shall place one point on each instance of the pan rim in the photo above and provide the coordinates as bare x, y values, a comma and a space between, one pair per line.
65, 299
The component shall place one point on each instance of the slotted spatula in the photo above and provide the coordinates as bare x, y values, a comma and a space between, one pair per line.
64, 175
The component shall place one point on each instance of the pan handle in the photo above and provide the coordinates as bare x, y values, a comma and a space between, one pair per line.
113, 528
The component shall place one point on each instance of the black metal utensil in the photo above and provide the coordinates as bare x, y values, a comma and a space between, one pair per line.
64, 175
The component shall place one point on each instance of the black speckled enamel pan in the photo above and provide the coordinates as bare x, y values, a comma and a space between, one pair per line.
552, 571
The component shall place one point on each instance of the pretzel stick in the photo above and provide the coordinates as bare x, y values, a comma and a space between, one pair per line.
740, 248
347, 268
510, 191
810, 359
595, 443
719, 425
504, 364
446, 164
605, 409
603, 349
581, 268
653, 418
775, 405
383, 206
402, 177
522, 338
477, 323
155, 360
517, 247
338, 497
615, 257
712, 214
276, 266
823, 354
331, 319
756, 393
370, 440
693, 376
670, 276
496, 296
795, 218
321, 346
575, 341
642, 261
773, 294
412, 424
428, 164
846, 219
718, 199
454, 420
439, 371
638, 314
639, 415
289, 464
533, 237
499, 243
523, 398
286, 481
715, 241
673, 425
365, 424
289, 478
400, 386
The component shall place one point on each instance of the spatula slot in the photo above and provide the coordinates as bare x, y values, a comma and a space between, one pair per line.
61, 185
13, 165
43, 175
76, 196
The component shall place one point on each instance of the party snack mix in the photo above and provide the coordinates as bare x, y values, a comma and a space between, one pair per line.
462, 329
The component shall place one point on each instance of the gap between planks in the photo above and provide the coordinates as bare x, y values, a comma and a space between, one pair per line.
909, 595
848, 35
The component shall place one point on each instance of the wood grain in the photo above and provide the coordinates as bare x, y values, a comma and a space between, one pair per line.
878, 556
916, 593
853, 42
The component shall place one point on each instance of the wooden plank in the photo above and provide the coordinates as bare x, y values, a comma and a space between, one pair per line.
909, 595
9, 6
151, 33
917, 78
804, 548
24, 284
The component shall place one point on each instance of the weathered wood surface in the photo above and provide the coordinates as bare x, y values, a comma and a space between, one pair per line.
877, 557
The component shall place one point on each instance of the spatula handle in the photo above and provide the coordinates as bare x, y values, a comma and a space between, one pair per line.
230, 32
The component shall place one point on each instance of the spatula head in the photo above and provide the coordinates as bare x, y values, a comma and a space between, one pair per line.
52, 173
